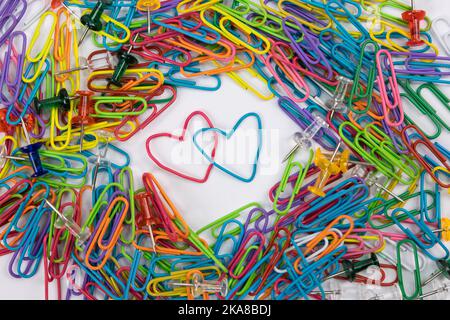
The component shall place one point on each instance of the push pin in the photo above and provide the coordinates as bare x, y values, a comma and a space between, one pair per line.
303, 139
149, 6
125, 60
336, 292
198, 285
62, 100
351, 268
337, 102
58, 3
5, 127
104, 61
413, 17
92, 21
67, 221
345, 160
445, 229
145, 205
328, 168
443, 269
4, 156
444, 288
32, 150
83, 118
100, 160
372, 180
393, 293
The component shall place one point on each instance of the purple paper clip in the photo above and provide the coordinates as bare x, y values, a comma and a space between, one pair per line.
10, 89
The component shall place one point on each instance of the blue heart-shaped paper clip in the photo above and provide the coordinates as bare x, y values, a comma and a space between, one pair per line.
228, 136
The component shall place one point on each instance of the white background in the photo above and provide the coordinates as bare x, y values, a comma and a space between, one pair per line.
203, 203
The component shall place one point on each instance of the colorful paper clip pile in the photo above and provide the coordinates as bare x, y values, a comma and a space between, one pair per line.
362, 79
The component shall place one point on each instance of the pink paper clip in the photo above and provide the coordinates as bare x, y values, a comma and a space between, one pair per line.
396, 103
283, 62
182, 138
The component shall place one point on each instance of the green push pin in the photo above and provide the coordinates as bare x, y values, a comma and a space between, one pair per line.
61, 100
92, 20
125, 60
351, 269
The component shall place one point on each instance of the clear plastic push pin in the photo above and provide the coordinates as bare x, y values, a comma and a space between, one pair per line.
372, 292
330, 294
67, 221
442, 289
443, 269
373, 180
304, 139
103, 61
100, 159
198, 285
337, 102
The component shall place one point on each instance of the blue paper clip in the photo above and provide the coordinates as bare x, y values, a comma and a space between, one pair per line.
228, 136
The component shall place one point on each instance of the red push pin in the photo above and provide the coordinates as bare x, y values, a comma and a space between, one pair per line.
83, 118
5, 127
413, 17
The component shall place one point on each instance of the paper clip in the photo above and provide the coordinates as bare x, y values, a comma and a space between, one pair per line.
422, 140
10, 89
92, 20
182, 138
227, 20
430, 240
359, 91
10, 18
390, 107
417, 281
39, 59
228, 135
304, 139
115, 215
441, 29
298, 183
349, 17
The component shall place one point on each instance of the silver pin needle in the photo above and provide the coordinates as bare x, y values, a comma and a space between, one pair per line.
149, 20
86, 30
389, 192
152, 237
3, 155
293, 150
303, 139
